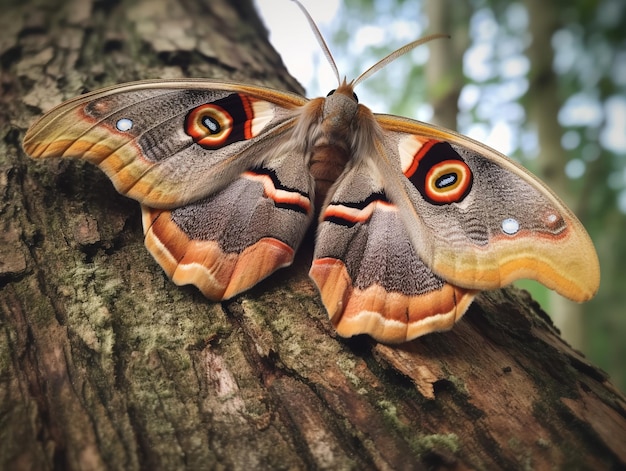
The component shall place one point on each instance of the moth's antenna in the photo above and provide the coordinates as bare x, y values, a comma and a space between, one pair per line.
320, 40
395, 54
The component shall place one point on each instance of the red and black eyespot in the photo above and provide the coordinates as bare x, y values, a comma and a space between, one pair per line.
440, 174
221, 122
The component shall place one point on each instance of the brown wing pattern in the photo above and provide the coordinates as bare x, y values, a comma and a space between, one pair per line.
479, 220
370, 277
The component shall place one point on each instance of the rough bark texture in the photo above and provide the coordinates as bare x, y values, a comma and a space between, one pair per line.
104, 363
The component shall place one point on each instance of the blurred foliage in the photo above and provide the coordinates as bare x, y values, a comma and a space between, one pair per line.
589, 46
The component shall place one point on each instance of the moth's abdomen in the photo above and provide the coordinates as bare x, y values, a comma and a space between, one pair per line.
327, 163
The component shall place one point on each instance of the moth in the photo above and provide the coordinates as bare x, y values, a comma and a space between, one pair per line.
413, 220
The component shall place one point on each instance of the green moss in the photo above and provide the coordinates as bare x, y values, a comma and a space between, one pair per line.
436, 443
347, 366
543, 443
391, 413
5, 351
421, 445
88, 291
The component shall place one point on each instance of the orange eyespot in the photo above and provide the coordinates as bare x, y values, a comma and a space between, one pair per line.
448, 181
209, 125
439, 173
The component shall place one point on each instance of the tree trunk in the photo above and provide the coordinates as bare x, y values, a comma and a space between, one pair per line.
106, 364
544, 104
444, 69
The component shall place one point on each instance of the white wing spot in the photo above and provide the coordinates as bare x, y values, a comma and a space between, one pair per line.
124, 124
510, 226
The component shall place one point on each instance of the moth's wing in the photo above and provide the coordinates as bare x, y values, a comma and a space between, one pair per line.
227, 242
370, 277
151, 138
478, 219
225, 191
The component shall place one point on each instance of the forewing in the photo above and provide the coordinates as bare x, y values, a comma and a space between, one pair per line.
478, 219
167, 143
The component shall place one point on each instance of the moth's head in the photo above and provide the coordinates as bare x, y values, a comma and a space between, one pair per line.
340, 106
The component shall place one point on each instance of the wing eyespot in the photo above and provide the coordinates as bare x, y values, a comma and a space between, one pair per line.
209, 125
440, 174
448, 181
124, 124
510, 226
222, 122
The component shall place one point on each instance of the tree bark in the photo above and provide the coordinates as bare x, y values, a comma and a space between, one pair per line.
106, 364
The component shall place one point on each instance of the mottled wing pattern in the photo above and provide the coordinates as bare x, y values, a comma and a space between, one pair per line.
419, 220
479, 220
167, 143
370, 277
225, 194
226, 242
